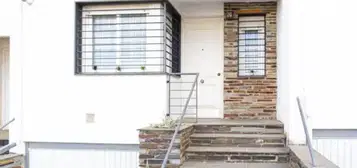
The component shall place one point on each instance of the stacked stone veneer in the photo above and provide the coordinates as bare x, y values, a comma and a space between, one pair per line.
295, 162
155, 142
254, 97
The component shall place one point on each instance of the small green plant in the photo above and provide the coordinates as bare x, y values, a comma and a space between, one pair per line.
167, 122
142, 68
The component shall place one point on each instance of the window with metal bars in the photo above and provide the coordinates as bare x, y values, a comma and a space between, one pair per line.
127, 38
251, 46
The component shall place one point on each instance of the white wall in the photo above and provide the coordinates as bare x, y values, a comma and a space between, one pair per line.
330, 50
338, 145
289, 75
45, 155
342, 152
316, 61
50, 103
8, 10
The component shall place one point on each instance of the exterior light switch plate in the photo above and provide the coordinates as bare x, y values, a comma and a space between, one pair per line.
90, 117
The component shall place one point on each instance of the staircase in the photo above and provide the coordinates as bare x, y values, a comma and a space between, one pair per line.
238, 141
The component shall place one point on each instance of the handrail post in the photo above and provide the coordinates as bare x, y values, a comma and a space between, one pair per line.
179, 123
307, 136
196, 101
168, 95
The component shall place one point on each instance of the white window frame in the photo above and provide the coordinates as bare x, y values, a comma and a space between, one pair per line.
89, 35
262, 52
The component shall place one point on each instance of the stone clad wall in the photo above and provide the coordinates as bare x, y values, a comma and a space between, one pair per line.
155, 142
249, 98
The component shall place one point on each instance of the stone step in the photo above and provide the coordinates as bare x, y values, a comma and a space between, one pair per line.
237, 129
208, 121
238, 154
238, 140
215, 164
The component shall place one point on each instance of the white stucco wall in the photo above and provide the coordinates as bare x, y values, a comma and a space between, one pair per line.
59, 155
329, 48
50, 103
316, 61
8, 9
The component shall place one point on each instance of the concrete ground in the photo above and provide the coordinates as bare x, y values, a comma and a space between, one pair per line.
219, 164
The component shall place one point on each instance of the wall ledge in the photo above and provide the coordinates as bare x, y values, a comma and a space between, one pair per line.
300, 158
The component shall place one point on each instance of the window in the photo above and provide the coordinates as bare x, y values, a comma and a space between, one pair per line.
119, 42
104, 48
122, 38
251, 47
132, 41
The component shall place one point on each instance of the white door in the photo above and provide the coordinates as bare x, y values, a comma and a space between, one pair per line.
203, 53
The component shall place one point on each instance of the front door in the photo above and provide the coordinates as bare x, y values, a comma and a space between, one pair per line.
203, 53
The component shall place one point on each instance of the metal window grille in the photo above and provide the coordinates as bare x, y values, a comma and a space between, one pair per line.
251, 46
127, 38
173, 39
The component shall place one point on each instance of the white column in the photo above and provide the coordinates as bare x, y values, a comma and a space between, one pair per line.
290, 68
16, 65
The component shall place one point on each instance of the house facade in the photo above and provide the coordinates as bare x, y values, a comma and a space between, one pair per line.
86, 72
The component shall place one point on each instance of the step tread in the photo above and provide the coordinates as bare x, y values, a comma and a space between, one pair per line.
217, 164
236, 122
237, 149
245, 129
224, 135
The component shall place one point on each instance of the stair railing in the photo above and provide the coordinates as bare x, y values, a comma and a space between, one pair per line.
179, 86
307, 135
180, 119
7, 147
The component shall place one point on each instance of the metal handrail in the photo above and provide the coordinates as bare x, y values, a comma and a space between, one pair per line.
6, 124
307, 135
181, 118
7, 147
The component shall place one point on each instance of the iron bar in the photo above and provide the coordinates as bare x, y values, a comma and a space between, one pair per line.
196, 100
119, 58
184, 73
169, 94
182, 98
6, 148
243, 39
121, 30
124, 65
165, 35
106, 10
90, 17
117, 51
121, 44
307, 135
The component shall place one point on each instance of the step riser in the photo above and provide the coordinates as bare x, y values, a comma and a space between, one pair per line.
238, 130
238, 142
238, 157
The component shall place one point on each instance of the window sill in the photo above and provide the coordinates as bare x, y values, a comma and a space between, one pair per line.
251, 77
119, 73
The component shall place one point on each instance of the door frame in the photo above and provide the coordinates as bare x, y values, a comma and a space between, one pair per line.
4, 80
